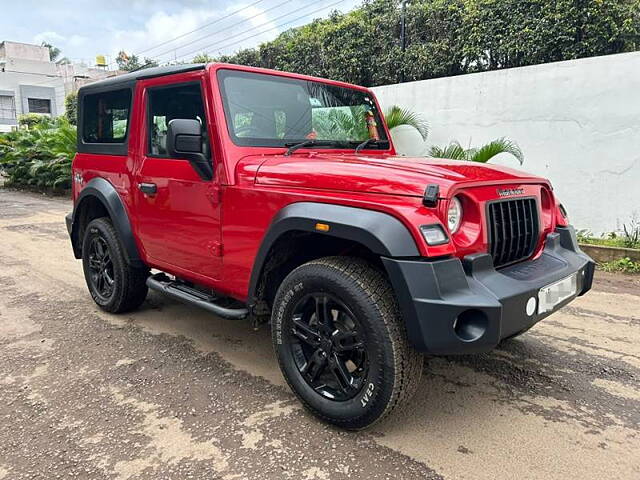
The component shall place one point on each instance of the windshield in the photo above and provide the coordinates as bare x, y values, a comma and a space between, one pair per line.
265, 110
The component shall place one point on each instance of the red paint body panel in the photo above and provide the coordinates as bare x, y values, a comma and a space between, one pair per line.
209, 232
385, 174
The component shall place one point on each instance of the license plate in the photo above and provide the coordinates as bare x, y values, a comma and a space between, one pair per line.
552, 295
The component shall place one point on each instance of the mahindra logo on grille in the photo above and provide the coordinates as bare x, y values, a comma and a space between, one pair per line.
508, 192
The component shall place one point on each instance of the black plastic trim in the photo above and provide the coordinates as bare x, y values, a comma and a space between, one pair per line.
379, 232
434, 294
106, 193
118, 81
431, 195
161, 283
535, 234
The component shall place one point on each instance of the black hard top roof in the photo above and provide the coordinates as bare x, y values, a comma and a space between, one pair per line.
151, 72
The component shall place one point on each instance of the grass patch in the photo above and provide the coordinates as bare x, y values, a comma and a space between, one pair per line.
628, 238
623, 265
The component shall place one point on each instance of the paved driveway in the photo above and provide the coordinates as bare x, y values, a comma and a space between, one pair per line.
173, 392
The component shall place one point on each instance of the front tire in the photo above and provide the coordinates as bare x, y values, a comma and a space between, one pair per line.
114, 284
341, 342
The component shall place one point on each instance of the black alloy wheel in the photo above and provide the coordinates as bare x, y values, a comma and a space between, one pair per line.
115, 284
328, 346
101, 268
341, 342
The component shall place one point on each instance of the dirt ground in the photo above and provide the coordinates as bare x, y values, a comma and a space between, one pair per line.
171, 392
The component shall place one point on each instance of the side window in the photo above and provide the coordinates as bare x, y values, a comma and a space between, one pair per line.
106, 116
168, 103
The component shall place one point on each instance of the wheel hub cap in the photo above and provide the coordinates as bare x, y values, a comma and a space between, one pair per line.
328, 346
101, 268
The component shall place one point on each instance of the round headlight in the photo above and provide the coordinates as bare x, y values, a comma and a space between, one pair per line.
454, 215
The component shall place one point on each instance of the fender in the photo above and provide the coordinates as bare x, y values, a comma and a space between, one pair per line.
106, 193
380, 232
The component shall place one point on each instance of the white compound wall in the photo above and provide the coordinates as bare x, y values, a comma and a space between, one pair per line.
577, 122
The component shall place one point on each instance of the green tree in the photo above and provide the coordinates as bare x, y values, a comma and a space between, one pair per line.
71, 108
54, 52
202, 58
448, 37
132, 62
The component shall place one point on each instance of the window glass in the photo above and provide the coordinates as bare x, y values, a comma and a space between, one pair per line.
39, 105
105, 116
270, 110
167, 103
7, 107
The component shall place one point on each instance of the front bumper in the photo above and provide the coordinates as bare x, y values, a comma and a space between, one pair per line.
455, 306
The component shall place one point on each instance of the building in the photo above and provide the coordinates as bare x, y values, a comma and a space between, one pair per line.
31, 83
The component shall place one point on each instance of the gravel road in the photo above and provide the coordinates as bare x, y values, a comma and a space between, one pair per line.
171, 392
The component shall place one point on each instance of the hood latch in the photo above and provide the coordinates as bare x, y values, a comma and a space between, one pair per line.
430, 198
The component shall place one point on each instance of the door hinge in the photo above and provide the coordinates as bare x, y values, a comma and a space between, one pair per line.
216, 249
214, 195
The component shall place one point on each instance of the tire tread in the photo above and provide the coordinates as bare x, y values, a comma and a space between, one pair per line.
408, 362
134, 288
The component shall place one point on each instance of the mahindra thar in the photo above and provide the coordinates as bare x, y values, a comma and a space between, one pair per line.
280, 198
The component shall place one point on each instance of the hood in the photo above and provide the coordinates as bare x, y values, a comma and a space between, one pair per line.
391, 175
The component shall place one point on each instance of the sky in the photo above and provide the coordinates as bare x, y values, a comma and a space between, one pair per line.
158, 29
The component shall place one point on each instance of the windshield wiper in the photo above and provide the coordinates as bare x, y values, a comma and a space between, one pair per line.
369, 141
295, 146
309, 143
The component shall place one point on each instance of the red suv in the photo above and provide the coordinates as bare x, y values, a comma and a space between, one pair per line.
279, 197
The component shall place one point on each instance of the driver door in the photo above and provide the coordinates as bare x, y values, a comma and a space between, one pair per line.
178, 213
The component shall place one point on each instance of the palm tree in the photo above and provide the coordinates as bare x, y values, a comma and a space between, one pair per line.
455, 151
396, 116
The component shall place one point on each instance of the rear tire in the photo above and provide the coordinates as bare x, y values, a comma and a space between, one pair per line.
341, 342
114, 284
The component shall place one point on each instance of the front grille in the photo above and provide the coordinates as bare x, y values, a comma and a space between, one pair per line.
513, 230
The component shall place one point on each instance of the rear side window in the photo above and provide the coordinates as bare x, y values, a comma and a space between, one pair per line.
106, 116
170, 102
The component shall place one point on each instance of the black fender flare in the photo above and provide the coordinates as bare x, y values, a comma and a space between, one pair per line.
380, 232
106, 193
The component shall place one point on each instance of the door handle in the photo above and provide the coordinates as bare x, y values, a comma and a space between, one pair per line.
148, 188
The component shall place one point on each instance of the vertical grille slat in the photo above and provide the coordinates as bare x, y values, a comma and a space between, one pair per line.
526, 227
512, 236
494, 232
503, 244
519, 248
513, 230
533, 212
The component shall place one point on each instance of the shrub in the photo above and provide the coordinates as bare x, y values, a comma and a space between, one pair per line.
39, 154
483, 154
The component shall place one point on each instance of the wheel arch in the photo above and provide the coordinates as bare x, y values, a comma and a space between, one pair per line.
293, 239
99, 198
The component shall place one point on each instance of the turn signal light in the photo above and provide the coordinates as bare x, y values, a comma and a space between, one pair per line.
322, 227
434, 234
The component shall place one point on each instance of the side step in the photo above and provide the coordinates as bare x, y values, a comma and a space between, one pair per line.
161, 283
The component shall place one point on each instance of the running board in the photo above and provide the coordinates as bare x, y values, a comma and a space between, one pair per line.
161, 283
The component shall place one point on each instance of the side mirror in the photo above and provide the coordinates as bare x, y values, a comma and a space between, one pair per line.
184, 140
